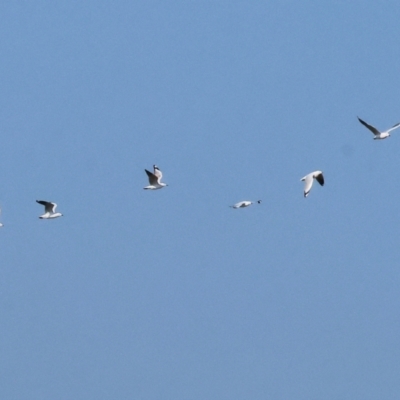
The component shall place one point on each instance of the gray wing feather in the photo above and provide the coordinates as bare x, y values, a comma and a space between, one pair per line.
48, 206
370, 127
153, 179
394, 127
320, 179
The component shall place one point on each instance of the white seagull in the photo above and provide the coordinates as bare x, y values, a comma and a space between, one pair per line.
309, 179
49, 210
379, 135
155, 179
243, 204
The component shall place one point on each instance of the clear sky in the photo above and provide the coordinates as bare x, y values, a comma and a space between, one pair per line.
171, 294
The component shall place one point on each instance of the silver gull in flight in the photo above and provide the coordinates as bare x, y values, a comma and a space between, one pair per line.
243, 204
309, 179
155, 179
49, 210
379, 135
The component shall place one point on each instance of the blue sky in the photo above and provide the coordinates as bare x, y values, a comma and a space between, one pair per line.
172, 294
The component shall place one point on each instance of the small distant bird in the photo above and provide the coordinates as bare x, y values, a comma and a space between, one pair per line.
49, 210
0, 222
379, 135
155, 179
243, 204
309, 179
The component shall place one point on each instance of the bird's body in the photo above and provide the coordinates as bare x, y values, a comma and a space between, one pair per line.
0, 222
244, 204
155, 179
49, 210
378, 135
309, 180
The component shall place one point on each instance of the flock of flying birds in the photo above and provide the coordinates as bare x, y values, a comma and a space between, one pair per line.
156, 176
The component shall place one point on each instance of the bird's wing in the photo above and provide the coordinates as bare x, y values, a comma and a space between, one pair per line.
370, 127
157, 172
42, 202
308, 182
320, 179
153, 179
393, 127
243, 204
48, 206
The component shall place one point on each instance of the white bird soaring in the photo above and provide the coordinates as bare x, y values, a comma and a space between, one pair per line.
155, 179
309, 179
49, 210
379, 135
243, 204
